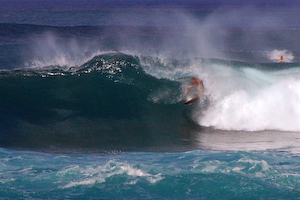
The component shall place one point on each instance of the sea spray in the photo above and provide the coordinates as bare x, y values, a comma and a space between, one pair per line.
250, 99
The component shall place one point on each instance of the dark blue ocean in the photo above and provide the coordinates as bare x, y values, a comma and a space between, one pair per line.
92, 99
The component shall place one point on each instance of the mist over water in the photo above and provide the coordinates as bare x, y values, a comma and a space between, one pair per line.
246, 34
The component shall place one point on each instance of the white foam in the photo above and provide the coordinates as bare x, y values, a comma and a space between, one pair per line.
257, 166
97, 174
273, 107
88, 181
251, 100
275, 55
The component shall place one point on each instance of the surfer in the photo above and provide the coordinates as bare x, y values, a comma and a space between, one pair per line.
198, 83
281, 59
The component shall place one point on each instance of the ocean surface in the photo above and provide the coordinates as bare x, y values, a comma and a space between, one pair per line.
92, 93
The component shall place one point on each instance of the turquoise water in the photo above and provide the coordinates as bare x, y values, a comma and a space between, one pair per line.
189, 175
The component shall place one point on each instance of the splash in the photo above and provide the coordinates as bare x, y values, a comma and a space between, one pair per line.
257, 101
49, 49
280, 56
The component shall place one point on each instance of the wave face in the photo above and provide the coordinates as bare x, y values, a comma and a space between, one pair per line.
109, 101
116, 100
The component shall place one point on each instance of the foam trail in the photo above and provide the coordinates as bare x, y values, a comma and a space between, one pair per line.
252, 100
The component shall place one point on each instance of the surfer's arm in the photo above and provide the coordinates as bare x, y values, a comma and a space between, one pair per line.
188, 90
199, 88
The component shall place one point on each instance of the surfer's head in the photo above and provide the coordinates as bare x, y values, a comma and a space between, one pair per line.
194, 80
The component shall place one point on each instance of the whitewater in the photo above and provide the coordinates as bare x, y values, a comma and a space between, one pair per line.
253, 99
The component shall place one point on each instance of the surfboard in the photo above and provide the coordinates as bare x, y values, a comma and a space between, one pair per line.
281, 60
192, 100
